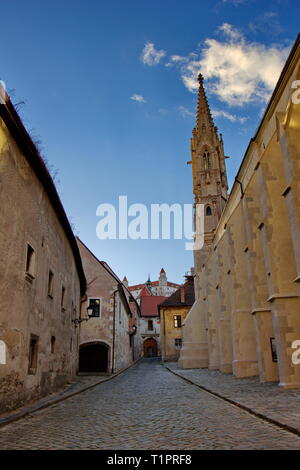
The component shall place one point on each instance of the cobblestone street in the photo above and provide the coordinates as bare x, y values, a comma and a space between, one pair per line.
146, 407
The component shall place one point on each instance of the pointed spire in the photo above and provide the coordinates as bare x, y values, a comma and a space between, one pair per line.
149, 284
204, 117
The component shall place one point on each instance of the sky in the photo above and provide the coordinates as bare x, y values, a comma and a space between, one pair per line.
109, 90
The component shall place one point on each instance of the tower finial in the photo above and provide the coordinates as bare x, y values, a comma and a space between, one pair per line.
204, 120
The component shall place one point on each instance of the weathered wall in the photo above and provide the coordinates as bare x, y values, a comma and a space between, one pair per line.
27, 217
114, 319
169, 333
145, 333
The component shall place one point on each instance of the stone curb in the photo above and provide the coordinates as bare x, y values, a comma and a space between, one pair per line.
58, 398
283, 426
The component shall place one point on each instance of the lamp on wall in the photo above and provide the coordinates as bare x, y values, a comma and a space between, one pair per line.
90, 313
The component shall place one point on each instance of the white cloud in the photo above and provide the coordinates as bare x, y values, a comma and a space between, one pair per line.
138, 98
267, 23
150, 56
185, 112
231, 117
238, 71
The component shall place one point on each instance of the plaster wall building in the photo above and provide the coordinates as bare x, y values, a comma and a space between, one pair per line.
150, 323
246, 318
109, 340
41, 275
173, 311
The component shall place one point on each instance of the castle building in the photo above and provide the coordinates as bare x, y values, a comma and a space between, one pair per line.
245, 319
149, 295
160, 287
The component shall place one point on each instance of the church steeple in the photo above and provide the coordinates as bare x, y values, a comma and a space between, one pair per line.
204, 117
208, 162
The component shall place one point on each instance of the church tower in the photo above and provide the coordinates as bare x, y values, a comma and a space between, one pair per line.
208, 164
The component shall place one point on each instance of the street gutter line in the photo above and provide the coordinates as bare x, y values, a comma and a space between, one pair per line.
265, 418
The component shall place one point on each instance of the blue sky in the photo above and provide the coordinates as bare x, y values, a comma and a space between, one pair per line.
109, 89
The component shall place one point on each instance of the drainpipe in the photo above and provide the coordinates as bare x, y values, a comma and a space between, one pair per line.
163, 358
114, 332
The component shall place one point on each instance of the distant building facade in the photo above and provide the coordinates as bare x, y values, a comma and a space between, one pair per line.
109, 339
150, 323
41, 275
246, 318
161, 287
173, 311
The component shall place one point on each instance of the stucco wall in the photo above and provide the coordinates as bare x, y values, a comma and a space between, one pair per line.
27, 217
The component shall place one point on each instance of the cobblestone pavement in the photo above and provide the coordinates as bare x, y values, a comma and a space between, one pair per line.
146, 407
267, 399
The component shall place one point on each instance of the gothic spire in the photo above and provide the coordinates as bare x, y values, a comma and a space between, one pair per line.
204, 118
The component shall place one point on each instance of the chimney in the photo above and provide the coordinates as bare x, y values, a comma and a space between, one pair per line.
182, 296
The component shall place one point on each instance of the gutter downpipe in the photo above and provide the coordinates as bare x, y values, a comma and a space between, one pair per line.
114, 332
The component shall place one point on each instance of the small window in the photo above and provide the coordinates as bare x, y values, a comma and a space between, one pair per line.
273, 350
177, 321
94, 304
52, 344
30, 261
50, 284
178, 342
63, 291
150, 325
33, 354
208, 211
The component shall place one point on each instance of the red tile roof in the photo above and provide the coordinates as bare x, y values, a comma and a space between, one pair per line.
149, 305
175, 299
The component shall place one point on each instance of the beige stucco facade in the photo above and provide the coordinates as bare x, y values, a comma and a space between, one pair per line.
117, 326
248, 278
39, 341
171, 334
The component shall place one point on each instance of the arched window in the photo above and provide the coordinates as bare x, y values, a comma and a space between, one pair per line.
208, 211
207, 162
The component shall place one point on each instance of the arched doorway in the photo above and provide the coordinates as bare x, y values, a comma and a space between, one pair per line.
93, 357
150, 348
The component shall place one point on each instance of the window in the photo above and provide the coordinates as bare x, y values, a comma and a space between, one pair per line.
50, 284
208, 211
273, 350
63, 291
52, 344
94, 304
177, 321
30, 262
150, 325
178, 342
33, 354
207, 162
